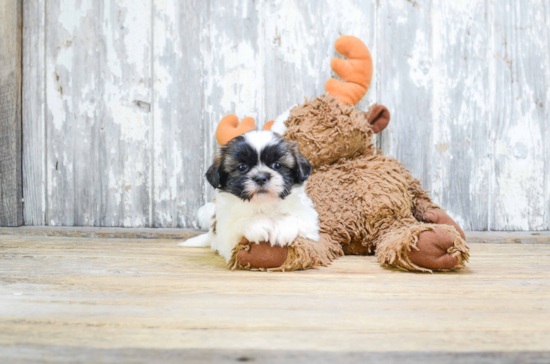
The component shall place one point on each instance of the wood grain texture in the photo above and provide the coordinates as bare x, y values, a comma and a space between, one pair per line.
520, 121
72, 105
98, 115
405, 55
138, 233
460, 157
59, 353
122, 101
11, 186
472, 237
125, 116
547, 122
33, 112
299, 45
153, 295
232, 52
179, 132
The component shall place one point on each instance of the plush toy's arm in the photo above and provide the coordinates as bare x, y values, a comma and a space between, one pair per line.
422, 201
425, 210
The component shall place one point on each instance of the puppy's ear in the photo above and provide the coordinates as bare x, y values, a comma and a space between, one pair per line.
213, 173
303, 167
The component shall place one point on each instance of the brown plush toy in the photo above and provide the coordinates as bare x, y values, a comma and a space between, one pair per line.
367, 203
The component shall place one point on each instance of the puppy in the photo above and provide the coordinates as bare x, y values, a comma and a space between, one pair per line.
259, 179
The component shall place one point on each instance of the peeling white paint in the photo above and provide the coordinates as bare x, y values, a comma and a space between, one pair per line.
133, 126
135, 89
420, 60
73, 13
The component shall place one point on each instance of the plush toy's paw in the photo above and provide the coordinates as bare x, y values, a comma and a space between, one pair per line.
438, 216
301, 254
423, 248
261, 255
433, 250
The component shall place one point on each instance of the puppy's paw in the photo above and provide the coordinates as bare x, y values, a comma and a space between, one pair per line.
259, 231
284, 233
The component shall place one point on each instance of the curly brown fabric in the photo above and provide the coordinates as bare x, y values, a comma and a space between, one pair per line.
359, 199
367, 202
327, 131
393, 250
301, 254
262, 255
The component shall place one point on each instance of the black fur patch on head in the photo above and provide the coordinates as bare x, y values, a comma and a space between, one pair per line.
213, 174
234, 154
304, 167
279, 156
290, 162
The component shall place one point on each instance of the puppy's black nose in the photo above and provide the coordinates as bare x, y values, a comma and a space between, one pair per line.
261, 179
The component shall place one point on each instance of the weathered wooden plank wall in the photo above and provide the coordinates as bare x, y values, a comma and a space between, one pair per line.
11, 189
520, 121
34, 112
121, 99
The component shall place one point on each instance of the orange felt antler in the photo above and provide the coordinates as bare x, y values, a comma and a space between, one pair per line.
229, 128
356, 70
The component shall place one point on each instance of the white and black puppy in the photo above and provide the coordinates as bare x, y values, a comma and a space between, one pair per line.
259, 179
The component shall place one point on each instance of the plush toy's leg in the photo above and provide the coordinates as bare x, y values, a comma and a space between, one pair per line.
424, 248
425, 210
301, 254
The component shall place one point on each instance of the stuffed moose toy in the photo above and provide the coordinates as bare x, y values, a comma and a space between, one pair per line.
367, 203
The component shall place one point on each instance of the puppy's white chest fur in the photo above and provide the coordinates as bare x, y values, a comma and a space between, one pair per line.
278, 221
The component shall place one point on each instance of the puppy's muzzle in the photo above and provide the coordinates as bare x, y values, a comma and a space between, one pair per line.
262, 179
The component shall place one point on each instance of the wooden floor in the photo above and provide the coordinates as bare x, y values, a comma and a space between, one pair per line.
112, 300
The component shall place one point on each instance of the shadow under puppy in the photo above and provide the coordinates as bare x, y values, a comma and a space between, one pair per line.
259, 178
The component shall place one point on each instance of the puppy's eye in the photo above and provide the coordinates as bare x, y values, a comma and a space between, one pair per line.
242, 167
276, 165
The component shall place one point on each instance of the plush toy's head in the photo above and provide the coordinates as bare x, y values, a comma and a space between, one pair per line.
329, 127
327, 131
